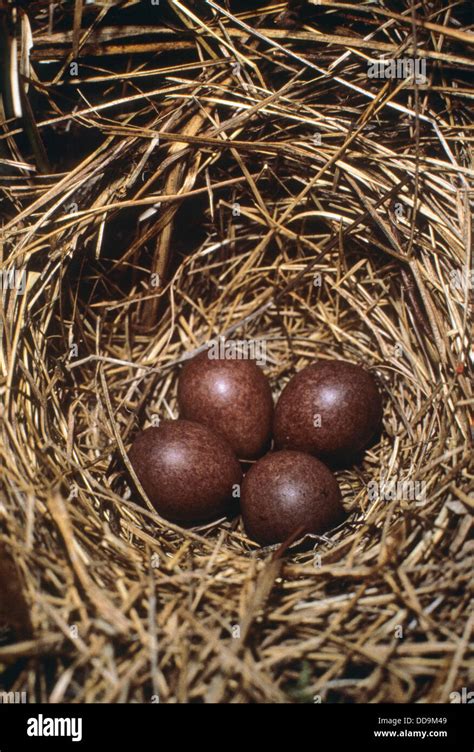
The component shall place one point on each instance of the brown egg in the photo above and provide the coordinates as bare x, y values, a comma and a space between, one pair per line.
288, 490
232, 397
188, 472
330, 409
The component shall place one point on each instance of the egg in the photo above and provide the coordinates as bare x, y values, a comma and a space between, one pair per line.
330, 409
189, 473
286, 491
232, 397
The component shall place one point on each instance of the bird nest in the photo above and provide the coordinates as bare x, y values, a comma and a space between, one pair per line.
240, 177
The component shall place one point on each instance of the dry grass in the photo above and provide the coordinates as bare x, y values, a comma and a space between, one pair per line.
355, 245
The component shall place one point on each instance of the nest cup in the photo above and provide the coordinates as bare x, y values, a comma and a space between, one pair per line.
85, 368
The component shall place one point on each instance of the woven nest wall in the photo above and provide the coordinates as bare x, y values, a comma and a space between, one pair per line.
289, 200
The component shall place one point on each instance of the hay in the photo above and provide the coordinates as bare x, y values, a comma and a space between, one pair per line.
297, 202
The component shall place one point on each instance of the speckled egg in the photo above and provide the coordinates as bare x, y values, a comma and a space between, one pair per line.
189, 473
289, 491
232, 397
330, 409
